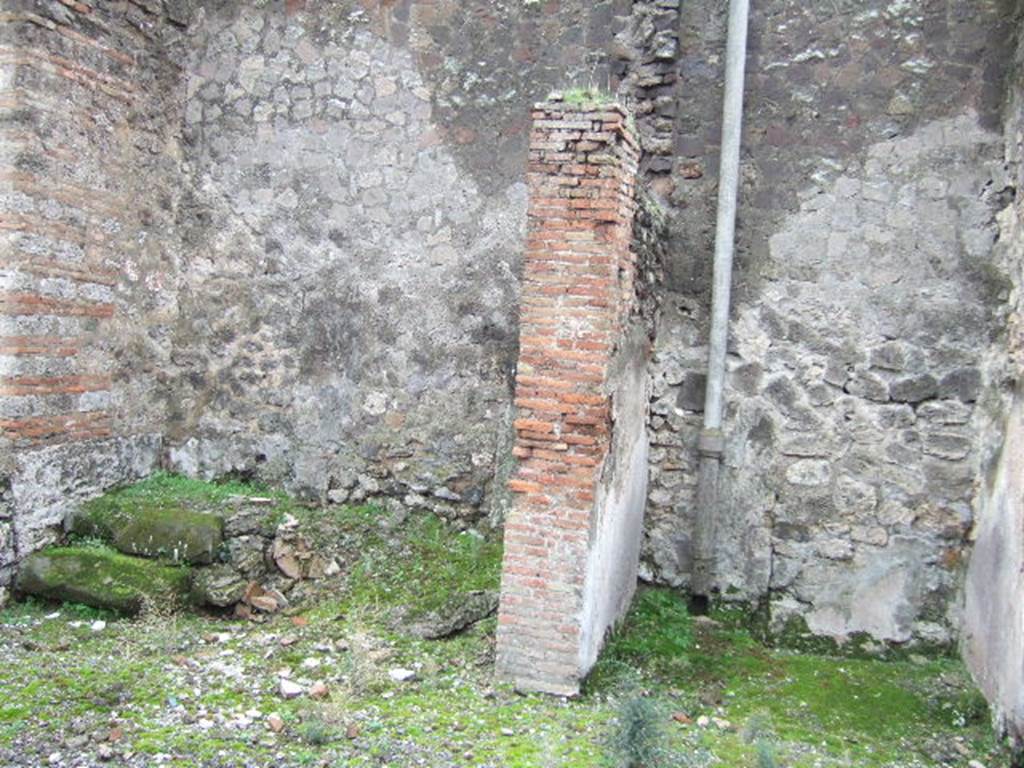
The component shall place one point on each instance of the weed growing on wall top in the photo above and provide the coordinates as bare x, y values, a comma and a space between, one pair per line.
587, 97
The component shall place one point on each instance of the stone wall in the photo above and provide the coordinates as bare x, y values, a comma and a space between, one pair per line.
865, 296
353, 237
993, 625
88, 96
572, 537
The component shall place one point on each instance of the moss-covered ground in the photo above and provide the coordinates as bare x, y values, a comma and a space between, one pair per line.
193, 690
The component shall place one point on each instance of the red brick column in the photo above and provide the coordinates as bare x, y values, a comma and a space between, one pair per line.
577, 301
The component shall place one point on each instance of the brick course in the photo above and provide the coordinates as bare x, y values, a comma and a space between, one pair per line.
43, 208
80, 116
577, 300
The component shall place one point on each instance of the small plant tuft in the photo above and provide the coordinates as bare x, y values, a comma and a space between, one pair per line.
638, 738
87, 542
970, 708
758, 727
316, 731
587, 97
766, 755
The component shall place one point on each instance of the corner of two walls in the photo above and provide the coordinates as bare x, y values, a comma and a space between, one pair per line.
346, 327
353, 243
285, 243
87, 281
993, 612
865, 299
332, 300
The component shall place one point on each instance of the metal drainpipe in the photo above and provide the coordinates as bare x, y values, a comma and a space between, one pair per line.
711, 444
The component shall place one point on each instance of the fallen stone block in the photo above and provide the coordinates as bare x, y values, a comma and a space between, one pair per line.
456, 615
218, 585
176, 534
101, 578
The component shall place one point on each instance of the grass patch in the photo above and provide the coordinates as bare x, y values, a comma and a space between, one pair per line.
654, 639
171, 490
421, 567
668, 689
184, 496
854, 711
784, 708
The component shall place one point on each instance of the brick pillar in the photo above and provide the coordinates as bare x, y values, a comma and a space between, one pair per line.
572, 535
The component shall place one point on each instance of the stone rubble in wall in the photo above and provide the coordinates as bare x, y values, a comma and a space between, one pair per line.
8, 550
677, 395
265, 567
645, 52
651, 246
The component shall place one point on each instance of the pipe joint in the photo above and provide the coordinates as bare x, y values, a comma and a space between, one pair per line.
711, 444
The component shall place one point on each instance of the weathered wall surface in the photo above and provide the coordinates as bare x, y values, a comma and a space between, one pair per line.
89, 157
353, 242
993, 622
617, 526
865, 297
300, 258
353, 230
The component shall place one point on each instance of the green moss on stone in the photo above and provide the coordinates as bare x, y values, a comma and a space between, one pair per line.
101, 578
158, 518
796, 635
741, 614
164, 488
175, 533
